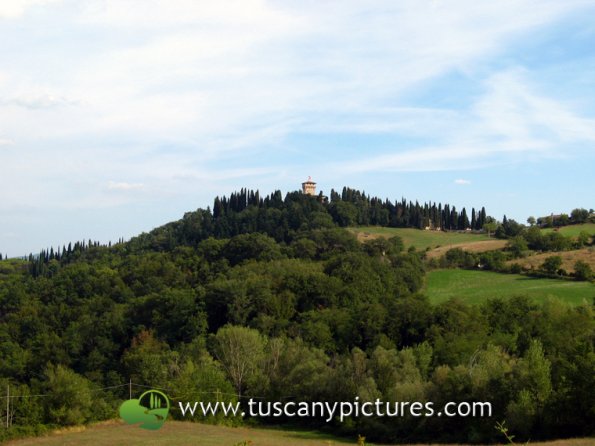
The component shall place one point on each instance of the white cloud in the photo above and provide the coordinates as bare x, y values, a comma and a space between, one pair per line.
15, 8
124, 186
462, 182
159, 14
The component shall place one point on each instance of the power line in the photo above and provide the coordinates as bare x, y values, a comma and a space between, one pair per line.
132, 384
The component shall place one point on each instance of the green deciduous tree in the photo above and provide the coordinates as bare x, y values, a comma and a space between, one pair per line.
149, 361
240, 350
552, 264
70, 399
582, 270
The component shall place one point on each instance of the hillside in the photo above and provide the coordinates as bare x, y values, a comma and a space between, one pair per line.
191, 434
280, 289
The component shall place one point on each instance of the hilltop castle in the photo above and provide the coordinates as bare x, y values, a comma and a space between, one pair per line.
309, 187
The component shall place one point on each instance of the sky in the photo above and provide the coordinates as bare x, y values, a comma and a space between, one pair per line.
117, 116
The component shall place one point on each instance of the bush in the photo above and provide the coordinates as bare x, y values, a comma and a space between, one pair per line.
552, 264
516, 268
582, 270
70, 399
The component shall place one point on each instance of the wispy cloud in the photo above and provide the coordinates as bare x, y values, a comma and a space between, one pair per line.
508, 123
123, 186
462, 182
253, 72
34, 102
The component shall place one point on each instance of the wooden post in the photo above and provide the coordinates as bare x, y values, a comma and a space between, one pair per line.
130, 388
7, 403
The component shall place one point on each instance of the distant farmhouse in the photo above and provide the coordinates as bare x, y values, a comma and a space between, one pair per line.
429, 226
578, 215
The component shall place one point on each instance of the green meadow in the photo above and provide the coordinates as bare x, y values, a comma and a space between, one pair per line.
574, 230
418, 238
475, 287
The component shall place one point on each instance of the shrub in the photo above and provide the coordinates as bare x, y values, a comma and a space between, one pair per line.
582, 270
552, 264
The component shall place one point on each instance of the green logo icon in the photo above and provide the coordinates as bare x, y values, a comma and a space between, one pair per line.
150, 410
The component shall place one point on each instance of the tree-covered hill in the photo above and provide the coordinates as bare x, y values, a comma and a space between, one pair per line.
309, 312
282, 218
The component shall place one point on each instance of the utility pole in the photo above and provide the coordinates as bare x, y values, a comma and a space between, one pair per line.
130, 388
7, 403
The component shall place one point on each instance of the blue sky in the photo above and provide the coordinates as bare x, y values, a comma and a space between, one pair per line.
117, 116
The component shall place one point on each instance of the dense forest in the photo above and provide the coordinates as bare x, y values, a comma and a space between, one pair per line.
315, 315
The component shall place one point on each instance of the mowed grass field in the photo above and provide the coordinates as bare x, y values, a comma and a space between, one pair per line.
191, 434
418, 238
475, 287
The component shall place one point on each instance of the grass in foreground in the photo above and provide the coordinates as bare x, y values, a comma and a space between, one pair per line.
176, 433
475, 287
418, 238
186, 434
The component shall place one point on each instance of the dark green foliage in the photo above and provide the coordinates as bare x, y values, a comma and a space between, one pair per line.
582, 270
579, 216
254, 246
384, 247
70, 399
552, 264
509, 229
517, 245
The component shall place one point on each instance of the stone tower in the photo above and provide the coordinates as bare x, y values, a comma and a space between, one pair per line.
309, 187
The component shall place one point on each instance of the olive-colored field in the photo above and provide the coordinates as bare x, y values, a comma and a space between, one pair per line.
475, 287
418, 238
191, 434
473, 246
569, 258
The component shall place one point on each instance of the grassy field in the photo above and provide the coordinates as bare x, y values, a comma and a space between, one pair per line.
187, 434
574, 230
418, 238
475, 287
